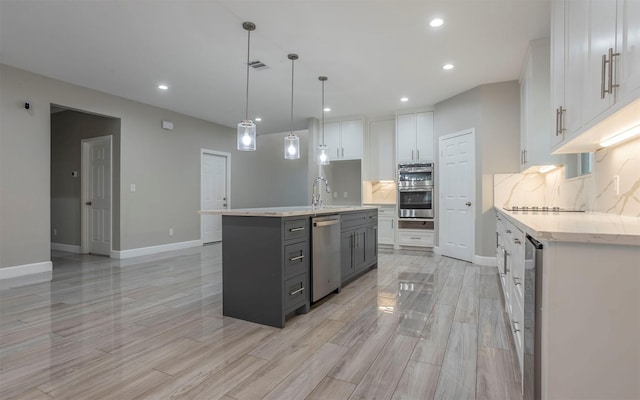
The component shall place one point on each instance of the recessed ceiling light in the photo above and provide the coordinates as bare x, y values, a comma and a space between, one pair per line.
404, 99
436, 22
162, 86
327, 109
447, 66
258, 119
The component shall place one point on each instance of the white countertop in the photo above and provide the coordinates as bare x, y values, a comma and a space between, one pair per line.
583, 227
286, 211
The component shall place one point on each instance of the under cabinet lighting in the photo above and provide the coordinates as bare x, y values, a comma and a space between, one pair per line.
622, 136
546, 168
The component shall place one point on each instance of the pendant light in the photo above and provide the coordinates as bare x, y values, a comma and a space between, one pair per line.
292, 142
246, 127
323, 155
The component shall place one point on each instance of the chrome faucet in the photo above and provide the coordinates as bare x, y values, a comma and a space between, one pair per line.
316, 198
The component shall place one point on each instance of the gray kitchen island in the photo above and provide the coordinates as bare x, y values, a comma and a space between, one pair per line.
268, 257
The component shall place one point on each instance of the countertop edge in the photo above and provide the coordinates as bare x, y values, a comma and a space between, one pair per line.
595, 236
279, 212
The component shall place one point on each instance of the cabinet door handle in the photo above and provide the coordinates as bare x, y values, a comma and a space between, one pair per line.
508, 231
343, 152
557, 121
602, 76
392, 223
516, 281
297, 291
412, 154
516, 241
516, 329
300, 228
418, 154
297, 258
611, 84
506, 267
337, 152
561, 119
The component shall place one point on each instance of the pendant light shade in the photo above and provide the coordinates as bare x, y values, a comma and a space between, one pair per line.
246, 127
323, 155
292, 142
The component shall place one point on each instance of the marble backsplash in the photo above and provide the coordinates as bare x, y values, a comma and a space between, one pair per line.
595, 192
379, 192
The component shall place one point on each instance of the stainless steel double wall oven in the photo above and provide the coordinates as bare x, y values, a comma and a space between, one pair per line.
415, 190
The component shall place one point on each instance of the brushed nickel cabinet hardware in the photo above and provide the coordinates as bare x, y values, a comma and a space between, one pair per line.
301, 228
412, 154
602, 76
296, 291
561, 119
517, 241
508, 231
607, 87
296, 258
418, 154
516, 328
611, 84
516, 281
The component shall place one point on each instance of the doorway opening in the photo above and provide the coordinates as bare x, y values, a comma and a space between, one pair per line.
84, 181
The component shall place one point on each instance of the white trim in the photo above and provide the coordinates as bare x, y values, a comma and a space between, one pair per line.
145, 251
486, 261
436, 250
26, 269
66, 247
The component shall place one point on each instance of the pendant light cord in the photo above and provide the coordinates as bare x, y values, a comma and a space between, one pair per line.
292, 67
323, 79
247, 98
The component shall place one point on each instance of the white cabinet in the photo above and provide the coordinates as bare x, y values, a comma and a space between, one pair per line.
535, 144
344, 139
601, 73
380, 156
414, 133
387, 225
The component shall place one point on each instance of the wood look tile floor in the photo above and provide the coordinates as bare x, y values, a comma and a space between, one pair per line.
421, 326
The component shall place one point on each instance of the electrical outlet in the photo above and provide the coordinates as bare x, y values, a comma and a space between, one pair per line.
616, 184
170, 231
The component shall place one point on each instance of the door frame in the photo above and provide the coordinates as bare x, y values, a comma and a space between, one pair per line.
227, 157
441, 213
85, 167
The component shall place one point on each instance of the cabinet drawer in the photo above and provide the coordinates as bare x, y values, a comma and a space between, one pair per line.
296, 229
351, 220
295, 291
387, 212
415, 237
372, 217
295, 259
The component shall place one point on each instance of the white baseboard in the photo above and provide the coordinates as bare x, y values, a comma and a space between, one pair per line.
26, 274
486, 261
436, 250
65, 247
145, 251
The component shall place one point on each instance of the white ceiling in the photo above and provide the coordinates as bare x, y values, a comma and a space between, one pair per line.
373, 51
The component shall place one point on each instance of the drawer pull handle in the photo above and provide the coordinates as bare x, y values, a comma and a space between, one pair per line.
516, 241
415, 238
296, 258
516, 329
508, 231
296, 291
516, 281
300, 228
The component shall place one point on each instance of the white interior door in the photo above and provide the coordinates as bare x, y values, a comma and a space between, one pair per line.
213, 194
457, 188
97, 199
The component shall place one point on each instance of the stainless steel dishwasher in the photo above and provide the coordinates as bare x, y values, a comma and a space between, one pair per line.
325, 250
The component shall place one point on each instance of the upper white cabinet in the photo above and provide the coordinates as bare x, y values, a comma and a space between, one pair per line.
414, 133
595, 68
344, 139
535, 145
381, 158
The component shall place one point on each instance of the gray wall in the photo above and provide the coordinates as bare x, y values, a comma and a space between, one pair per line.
343, 176
164, 165
494, 111
268, 179
68, 129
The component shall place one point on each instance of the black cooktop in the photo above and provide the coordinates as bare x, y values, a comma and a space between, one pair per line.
541, 209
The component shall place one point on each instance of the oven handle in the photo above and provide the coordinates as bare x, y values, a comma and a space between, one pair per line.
421, 189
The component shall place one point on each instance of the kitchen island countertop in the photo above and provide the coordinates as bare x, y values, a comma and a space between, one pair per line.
581, 227
286, 211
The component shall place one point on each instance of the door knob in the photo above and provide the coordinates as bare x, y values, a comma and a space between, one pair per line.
468, 204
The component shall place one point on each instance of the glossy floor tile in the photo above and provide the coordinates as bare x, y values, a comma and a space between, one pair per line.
421, 326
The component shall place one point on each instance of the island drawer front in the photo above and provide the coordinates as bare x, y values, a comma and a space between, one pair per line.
351, 220
296, 228
295, 291
372, 217
295, 259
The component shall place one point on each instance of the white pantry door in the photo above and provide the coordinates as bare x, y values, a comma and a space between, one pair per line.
213, 193
98, 197
457, 188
